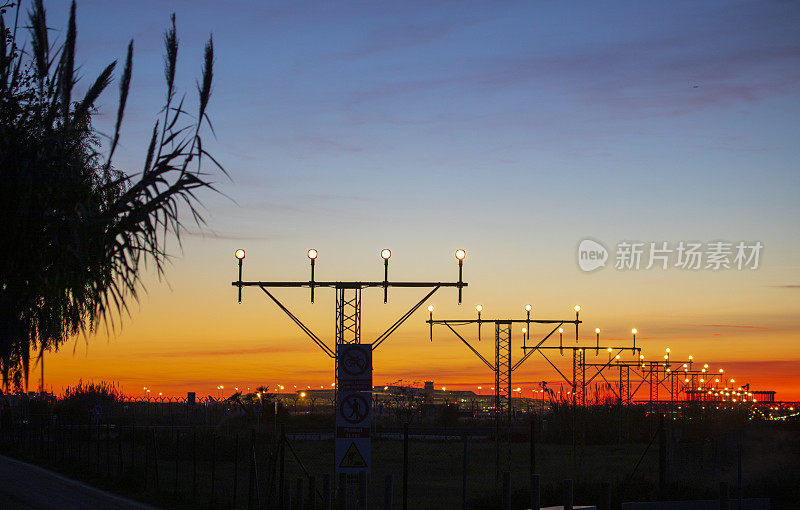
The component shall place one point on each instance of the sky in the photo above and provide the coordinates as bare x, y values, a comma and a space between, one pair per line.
513, 130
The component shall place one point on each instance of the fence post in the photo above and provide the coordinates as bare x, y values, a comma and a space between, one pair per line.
252, 476
341, 496
155, 455
235, 468
88, 446
299, 495
146, 457
177, 458
536, 495
133, 444
213, 469
108, 449
724, 502
739, 491
97, 448
119, 448
533, 445
387, 493
326, 491
312, 492
286, 491
662, 456
464, 473
568, 495
606, 491
362, 490
194, 463
282, 465
405, 466
506, 490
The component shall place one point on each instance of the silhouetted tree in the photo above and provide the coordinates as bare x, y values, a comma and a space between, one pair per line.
76, 230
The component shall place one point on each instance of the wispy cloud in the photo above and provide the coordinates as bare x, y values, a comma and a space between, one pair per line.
222, 352
210, 234
733, 326
785, 286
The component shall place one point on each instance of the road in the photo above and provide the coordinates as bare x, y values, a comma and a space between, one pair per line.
31, 487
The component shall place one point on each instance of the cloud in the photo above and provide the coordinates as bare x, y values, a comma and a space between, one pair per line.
222, 237
785, 286
224, 352
733, 326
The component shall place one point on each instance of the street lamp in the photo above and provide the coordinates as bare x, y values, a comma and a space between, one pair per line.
430, 311
386, 254
577, 309
479, 309
633, 332
597, 345
528, 309
312, 256
240, 257
460, 255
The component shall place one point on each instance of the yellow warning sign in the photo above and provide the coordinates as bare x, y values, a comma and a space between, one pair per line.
353, 458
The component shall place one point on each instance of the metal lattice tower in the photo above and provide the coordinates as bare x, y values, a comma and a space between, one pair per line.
625, 384
348, 315
578, 377
502, 378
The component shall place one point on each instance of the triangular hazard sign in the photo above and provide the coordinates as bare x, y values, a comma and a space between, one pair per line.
353, 458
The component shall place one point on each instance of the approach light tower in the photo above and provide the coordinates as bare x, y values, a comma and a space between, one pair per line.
348, 299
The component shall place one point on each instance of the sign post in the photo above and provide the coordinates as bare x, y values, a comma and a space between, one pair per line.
353, 408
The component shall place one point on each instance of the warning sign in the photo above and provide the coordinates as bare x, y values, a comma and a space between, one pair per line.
353, 408
353, 458
355, 367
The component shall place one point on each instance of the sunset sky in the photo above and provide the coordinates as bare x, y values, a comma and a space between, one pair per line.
513, 130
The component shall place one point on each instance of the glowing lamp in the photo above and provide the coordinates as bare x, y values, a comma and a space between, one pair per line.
461, 254
312, 254
385, 254
239, 254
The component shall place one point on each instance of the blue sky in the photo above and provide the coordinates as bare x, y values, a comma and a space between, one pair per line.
513, 129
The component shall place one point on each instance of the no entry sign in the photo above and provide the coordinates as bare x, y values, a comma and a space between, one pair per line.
353, 408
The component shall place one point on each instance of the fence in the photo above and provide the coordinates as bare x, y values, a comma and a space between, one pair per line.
165, 454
